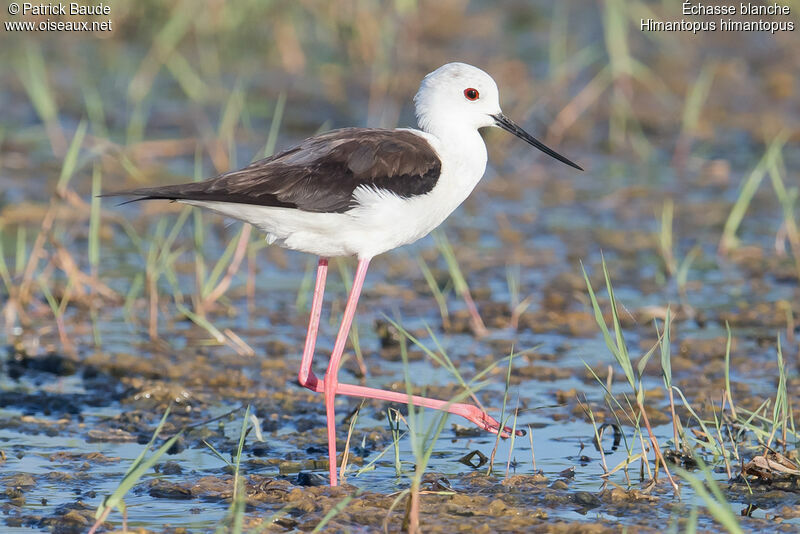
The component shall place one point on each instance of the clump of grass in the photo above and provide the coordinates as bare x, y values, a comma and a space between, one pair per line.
780, 411
58, 307
666, 374
632, 416
235, 515
422, 442
422, 449
28, 277
721, 436
394, 418
68, 169
159, 261
618, 348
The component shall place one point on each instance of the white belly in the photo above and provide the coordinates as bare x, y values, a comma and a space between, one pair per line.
382, 221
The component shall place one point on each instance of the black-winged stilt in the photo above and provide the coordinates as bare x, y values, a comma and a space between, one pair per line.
361, 192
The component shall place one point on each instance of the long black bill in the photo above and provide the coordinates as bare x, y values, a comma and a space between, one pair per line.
508, 125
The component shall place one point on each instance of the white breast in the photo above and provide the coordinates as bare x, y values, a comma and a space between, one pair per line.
389, 221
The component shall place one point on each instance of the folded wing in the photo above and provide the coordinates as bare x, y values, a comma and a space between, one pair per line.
320, 174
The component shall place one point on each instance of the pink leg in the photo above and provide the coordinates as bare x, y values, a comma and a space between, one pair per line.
331, 385
332, 374
306, 377
467, 411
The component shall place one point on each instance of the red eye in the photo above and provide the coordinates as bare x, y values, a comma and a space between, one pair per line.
471, 93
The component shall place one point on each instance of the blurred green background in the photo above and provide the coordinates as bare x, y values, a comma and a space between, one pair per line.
580, 74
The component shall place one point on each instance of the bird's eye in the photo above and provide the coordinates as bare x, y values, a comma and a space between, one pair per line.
471, 93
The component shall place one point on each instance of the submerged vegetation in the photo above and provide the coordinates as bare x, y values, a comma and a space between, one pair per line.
638, 321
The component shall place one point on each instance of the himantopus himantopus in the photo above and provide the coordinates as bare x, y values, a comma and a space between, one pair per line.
361, 192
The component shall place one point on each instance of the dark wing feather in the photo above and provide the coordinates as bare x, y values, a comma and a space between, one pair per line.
321, 173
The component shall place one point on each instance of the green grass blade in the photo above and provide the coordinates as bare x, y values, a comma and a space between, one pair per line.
341, 505
150, 443
441, 301
748, 191
71, 158
714, 501
696, 98
275, 125
666, 363
222, 264
133, 476
201, 321
459, 282
613, 346
217, 453
238, 458
21, 253
138, 468
622, 349
5, 274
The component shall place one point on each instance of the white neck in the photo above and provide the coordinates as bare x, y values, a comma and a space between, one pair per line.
463, 154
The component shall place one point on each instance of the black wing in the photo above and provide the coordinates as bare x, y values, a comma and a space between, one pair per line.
320, 174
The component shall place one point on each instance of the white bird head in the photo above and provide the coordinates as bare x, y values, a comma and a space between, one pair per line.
462, 96
458, 92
